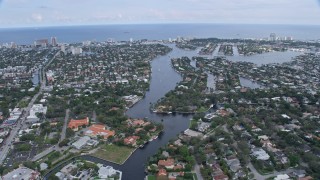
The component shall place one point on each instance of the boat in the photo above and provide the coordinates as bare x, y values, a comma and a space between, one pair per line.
155, 137
169, 112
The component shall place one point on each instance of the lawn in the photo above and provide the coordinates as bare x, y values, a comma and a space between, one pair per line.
152, 177
113, 153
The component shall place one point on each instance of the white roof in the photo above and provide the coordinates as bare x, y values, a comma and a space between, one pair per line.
282, 177
81, 142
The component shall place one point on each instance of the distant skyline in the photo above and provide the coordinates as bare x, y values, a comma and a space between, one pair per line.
36, 13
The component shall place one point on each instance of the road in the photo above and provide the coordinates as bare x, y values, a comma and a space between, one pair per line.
64, 128
21, 121
258, 176
197, 171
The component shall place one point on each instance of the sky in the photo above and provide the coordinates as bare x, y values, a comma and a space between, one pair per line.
36, 13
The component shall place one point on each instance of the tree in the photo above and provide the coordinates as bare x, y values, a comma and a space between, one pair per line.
70, 132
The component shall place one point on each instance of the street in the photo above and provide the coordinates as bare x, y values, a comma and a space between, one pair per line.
65, 124
21, 121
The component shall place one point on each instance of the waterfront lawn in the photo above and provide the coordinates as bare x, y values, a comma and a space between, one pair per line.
152, 177
114, 153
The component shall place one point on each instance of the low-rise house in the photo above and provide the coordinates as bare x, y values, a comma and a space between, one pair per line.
178, 142
82, 142
162, 172
260, 154
203, 126
299, 173
131, 140
75, 124
220, 177
106, 171
192, 133
233, 163
169, 163
60, 175
282, 177
99, 130
66, 170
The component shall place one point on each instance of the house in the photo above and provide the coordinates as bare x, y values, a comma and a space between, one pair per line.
60, 175
282, 177
132, 140
203, 126
260, 154
300, 173
137, 122
75, 124
80, 143
169, 163
22, 173
264, 137
192, 133
220, 177
66, 170
174, 175
99, 130
306, 178
233, 163
162, 172
106, 171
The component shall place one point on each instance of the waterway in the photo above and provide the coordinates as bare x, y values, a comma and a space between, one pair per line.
163, 79
249, 83
265, 58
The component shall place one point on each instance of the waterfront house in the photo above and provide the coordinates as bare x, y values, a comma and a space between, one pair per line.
99, 130
169, 163
162, 172
131, 140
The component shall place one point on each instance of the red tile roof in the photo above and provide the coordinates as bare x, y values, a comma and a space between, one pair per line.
99, 129
162, 172
131, 140
165, 163
74, 124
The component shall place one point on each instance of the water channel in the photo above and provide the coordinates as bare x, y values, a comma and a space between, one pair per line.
164, 79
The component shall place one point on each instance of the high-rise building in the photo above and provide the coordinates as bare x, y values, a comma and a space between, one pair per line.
63, 48
273, 37
54, 41
76, 50
41, 42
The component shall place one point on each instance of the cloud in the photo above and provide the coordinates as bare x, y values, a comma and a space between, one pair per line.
37, 17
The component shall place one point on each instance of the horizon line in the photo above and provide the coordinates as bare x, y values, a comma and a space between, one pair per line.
158, 23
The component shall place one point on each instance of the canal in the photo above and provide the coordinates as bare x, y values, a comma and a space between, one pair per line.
163, 79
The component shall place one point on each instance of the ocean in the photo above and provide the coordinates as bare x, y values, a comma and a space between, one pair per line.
72, 34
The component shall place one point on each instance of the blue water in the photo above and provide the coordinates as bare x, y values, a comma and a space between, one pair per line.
71, 34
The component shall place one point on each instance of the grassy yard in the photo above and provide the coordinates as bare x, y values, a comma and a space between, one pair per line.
152, 177
116, 154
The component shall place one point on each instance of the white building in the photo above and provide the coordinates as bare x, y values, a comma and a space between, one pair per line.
76, 50
36, 108
282, 177
80, 143
106, 171
260, 154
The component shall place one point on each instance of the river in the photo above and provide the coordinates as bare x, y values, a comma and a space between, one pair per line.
163, 79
